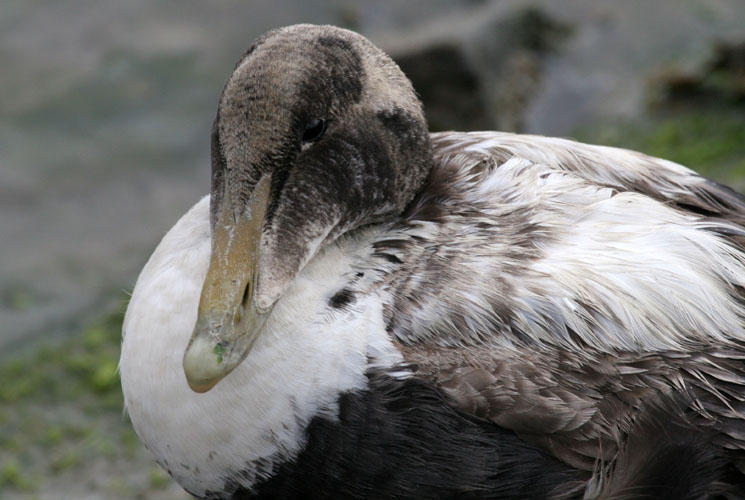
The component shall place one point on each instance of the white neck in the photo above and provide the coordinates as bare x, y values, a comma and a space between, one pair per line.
255, 417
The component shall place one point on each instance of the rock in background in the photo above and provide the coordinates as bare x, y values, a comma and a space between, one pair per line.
480, 71
552, 67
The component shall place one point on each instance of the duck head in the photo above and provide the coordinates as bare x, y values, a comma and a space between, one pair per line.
317, 132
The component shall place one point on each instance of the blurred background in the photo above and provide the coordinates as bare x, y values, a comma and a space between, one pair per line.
105, 113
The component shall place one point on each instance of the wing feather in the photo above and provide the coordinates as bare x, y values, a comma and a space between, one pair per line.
556, 288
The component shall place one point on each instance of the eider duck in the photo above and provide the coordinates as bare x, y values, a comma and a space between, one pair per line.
365, 310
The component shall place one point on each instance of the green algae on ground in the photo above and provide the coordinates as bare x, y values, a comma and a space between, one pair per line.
710, 141
62, 417
12, 476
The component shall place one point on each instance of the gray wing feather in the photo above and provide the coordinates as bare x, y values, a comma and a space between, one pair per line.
556, 288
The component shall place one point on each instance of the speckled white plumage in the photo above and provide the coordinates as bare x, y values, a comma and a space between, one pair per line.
664, 276
621, 269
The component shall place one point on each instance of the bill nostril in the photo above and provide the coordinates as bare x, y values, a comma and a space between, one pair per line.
244, 303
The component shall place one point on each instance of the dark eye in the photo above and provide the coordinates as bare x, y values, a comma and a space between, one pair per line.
313, 130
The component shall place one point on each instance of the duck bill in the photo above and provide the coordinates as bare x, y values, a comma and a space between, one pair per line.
228, 321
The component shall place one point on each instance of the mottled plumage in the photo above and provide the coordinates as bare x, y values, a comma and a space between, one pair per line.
371, 312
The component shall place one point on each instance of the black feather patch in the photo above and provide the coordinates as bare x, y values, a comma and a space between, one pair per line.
667, 456
399, 439
342, 298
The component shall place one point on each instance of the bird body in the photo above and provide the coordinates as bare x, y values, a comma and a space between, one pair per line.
362, 310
